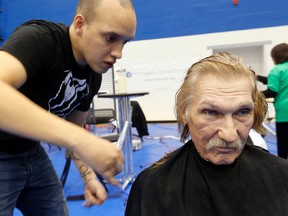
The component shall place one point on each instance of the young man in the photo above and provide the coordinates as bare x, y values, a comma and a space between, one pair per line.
49, 74
215, 173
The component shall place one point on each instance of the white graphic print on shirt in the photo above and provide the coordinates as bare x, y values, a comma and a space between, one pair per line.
69, 95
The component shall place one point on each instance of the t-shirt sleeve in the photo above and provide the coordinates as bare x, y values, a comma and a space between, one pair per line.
29, 44
274, 79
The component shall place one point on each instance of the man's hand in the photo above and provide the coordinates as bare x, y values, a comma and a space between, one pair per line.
102, 156
94, 193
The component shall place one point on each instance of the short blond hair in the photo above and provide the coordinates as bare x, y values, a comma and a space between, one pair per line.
87, 7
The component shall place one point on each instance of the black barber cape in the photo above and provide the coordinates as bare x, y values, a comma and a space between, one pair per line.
256, 184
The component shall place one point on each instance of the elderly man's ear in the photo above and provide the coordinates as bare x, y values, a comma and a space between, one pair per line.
184, 119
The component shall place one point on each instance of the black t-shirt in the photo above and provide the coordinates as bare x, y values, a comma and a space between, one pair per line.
256, 184
54, 79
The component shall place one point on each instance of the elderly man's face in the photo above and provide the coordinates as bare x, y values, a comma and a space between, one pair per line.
221, 118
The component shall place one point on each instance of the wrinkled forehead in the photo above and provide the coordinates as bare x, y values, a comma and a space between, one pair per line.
222, 97
224, 89
225, 80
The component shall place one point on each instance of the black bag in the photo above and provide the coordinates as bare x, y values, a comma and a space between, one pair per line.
139, 119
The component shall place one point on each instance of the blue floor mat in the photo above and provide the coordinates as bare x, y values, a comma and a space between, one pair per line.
163, 139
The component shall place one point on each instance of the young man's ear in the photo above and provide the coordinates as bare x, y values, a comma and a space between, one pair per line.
79, 24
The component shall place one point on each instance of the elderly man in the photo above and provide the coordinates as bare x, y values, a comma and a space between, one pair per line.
215, 173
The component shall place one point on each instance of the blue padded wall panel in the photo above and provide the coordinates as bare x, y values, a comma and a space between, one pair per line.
16, 12
172, 18
160, 18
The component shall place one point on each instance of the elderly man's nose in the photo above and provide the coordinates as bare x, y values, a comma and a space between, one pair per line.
228, 130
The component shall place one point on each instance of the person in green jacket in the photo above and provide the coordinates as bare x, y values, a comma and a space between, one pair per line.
277, 88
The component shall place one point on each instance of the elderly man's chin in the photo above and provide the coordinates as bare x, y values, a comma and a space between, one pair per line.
224, 158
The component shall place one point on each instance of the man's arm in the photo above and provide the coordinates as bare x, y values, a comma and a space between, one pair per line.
21, 116
94, 191
268, 93
262, 79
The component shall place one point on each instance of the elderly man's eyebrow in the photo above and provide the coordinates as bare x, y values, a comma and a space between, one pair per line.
209, 103
213, 104
247, 104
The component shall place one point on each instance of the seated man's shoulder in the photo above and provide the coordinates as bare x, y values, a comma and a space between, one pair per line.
259, 155
167, 164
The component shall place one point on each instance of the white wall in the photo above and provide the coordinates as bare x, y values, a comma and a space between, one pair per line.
159, 104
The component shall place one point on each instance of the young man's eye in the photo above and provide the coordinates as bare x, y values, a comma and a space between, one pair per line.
110, 38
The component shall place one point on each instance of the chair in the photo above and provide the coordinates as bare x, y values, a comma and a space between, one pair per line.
102, 116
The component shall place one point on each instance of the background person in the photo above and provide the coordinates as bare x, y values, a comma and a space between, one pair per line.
49, 73
277, 88
215, 173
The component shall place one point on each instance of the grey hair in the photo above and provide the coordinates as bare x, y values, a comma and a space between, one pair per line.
224, 65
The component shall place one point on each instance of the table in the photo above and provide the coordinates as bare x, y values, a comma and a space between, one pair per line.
124, 114
269, 118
